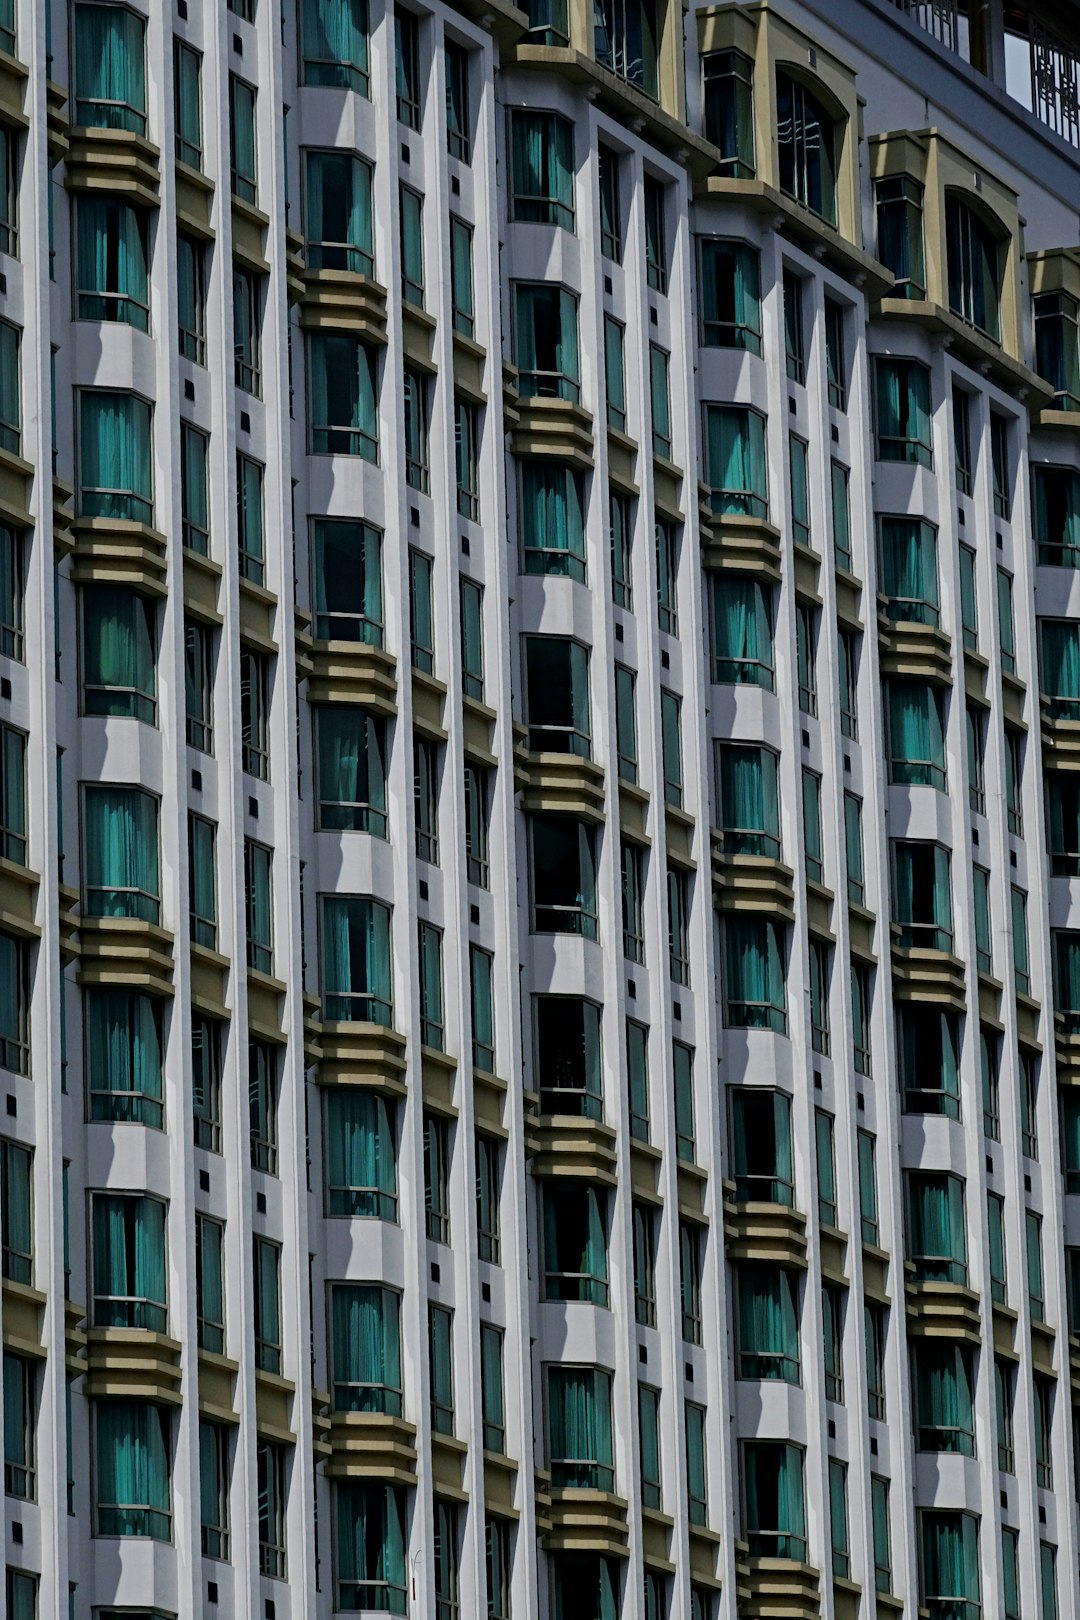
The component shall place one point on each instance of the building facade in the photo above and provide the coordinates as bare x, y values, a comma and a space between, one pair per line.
539, 953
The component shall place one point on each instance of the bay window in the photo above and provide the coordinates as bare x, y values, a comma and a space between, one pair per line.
334, 44
347, 580
755, 994
120, 853
730, 290
356, 964
132, 1487
361, 1154
974, 253
365, 1348
338, 224
575, 1242
735, 460
580, 1447
128, 1261
351, 760
342, 409
369, 1547
123, 1055
110, 68
115, 477
111, 262
541, 168
742, 631
546, 341
773, 1502
729, 110
768, 1323
936, 1236
119, 649
916, 731
562, 852
567, 1065
552, 519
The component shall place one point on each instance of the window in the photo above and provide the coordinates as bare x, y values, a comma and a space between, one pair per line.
347, 567
853, 847
546, 341
861, 999
266, 1304
644, 1259
1057, 352
432, 1013
761, 1146
416, 411
682, 1062
477, 801
270, 1495
481, 974
621, 526
767, 1320
678, 901
899, 204
342, 414
370, 1546
808, 142
806, 656
625, 724
1060, 682
909, 568
729, 110
198, 685
943, 1376
472, 639
242, 139
575, 1242
563, 872
799, 469
936, 1240
879, 1512
365, 1348
110, 68
950, 1565
492, 1400
9, 161
356, 971
115, 479
868, 1200
1043, 1391
989, 1061
20, 1472
119, 652
580, 1450
976, 731
461, 276
660, 401
825, 1158
437, 1178
1033, 1244
794, 340
903, 412
11, 591
754, 956
742, 633
974, 260
968, 613
557, 695
1021, 953
132, 1499
1055, 495
607, 163
1048, 1581
649, 1445
923, 896
191, 299
255, 713
1000, 465
656, 272
407, 64
694, 1417
194, 493
874, 1329
735, 460
334, 44
773, 1504
928, 1063
916, 722
841, 515
835, 356
209, 1283
671, 747
542, 168
458, 110
361, 1154
811, 816
637, 1064
626, 41
111, 267
214, 1489
123, 1057
632, 859
667, 576
120, 853
1004, 1390
411, 219
202, 881
964, 462
258, 869
748, 800
262, 1106
247, 331
351, 769
16, 1222
568, 1056
1006, 622
690, 1247
615, 373
551, 517
730, 292
338, 226
838, 1518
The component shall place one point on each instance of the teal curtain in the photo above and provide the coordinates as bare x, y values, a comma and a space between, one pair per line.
546, 340
903, 411
945, 1415
916, 734
542, 166
660, 400
742, 632
338, 224
348, 581
730, 295
121, 853
366, 1348
579, 1426
132, 1473
775, 1509
342, 406
118, 655
335, 44
361, 1167
736, 460
768, 1323
938, 1241
188, 106
370, 1546
129, 1262
950, 1545
123, 1057
110, 68
755, 973
910, 570
111, 262
552, 520
356, 960
115, 477
352, 769
1061, 667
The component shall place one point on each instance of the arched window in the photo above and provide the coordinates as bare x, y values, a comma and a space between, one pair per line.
808, 142
975, 260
